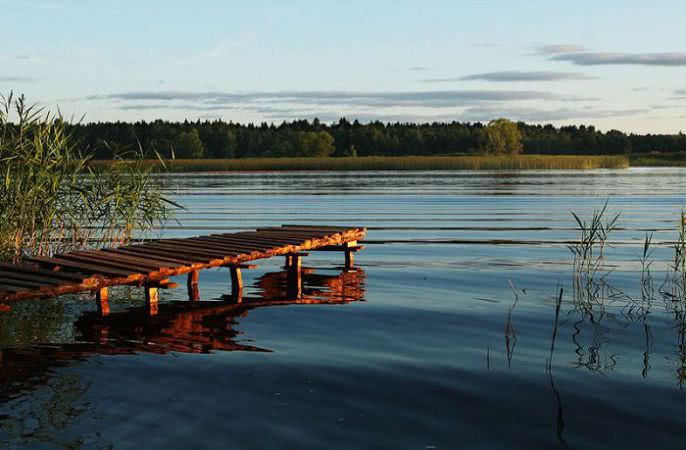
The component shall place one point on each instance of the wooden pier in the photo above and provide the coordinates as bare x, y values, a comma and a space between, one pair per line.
151, 264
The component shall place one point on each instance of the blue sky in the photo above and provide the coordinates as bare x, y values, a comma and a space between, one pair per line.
612, 64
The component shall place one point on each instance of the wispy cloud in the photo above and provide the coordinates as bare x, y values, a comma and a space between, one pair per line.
556, 49
472, 114
14, 79
418, 68
420, 106
514, 75
545, 115
218, 51
322, 98
607, 58
30, 58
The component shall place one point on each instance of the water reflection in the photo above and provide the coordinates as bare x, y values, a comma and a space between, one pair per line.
178, 326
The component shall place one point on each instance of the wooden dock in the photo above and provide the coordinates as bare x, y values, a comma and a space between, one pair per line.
151, 264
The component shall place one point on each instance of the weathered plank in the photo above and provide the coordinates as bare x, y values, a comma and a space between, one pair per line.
27, 269
81, 266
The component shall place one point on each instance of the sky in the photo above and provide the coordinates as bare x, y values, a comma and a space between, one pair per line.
613, 64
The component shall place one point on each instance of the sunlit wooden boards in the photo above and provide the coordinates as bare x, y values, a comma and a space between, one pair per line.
151, 262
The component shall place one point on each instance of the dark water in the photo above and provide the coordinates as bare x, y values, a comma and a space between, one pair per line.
445, 337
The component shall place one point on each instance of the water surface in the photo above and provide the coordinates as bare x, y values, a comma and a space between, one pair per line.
443, 338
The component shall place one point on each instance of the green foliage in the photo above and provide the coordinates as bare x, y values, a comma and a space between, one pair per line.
51, 201
187, 144
218, 141
314, 144
228, 140
503, 137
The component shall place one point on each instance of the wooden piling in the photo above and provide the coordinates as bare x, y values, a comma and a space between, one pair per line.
193, 291
236, 284
151, 299
102, 299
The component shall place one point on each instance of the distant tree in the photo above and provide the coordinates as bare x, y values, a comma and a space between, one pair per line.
352, 151
503, 136
187, 144
314, 144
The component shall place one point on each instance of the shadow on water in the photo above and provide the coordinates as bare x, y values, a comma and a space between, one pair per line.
176, 326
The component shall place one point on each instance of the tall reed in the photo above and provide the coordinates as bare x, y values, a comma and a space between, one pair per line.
589, 250
51, 201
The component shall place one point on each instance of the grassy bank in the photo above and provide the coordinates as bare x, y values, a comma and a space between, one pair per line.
521, 162
658, 160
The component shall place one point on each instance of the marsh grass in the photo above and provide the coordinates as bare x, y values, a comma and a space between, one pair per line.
591, 290
589, 250
674, 286
481, 162
52, 201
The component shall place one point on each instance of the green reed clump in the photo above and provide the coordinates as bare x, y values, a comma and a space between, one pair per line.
51, 201
589, 250
674, 286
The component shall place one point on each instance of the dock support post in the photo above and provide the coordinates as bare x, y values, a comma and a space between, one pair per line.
236, 284
294, 283
350, 248
102, 298
349, 260
296, 262
193, 291
289, 261
151, 299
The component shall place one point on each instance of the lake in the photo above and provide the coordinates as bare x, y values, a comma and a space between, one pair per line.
448, 334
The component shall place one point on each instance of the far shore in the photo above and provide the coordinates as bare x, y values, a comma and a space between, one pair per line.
478, 162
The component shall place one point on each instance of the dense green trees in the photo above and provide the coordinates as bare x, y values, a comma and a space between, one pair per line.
218, 139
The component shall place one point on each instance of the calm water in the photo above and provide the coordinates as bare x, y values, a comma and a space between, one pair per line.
443, 338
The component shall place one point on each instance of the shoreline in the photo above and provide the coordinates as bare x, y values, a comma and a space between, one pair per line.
415, 163
402, 163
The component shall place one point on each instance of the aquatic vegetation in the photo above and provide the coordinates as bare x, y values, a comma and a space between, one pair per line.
510, 333
589, 250
674, 286
51, 200
481, 162
647, 288
592, 292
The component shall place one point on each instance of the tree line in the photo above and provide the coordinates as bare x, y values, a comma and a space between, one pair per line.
303, 138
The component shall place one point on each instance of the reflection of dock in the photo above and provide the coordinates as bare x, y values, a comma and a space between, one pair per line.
202, 326
185, 327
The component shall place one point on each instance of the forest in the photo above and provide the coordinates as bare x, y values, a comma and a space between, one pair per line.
303, 138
